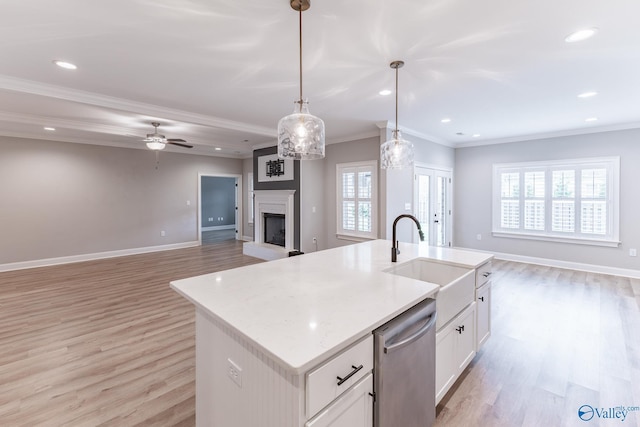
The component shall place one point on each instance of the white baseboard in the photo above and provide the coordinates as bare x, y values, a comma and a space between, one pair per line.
94, 256
219, 227
591, 268
247, 238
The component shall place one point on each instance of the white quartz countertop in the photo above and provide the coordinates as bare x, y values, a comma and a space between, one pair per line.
303, 309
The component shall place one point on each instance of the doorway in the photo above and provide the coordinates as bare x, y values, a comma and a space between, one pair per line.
219, 210
432, 201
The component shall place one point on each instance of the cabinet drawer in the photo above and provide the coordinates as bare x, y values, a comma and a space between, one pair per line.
322, 382
483, 274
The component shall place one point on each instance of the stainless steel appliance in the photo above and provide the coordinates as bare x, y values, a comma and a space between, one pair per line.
405, 369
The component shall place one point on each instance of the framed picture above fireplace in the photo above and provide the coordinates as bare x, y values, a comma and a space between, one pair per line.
271, 168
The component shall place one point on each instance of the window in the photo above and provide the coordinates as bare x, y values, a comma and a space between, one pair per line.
570, 200
356, 200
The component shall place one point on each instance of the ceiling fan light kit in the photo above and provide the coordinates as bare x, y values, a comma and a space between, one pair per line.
157, 142
301, 134
396, 153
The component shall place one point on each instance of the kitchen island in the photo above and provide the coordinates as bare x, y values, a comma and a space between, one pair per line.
265, 332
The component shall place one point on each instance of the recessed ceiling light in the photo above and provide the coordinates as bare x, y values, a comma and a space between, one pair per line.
446, 120
460, 133
217, 148
49, 128
476, 135
580, 35
591, 119
587, 94
385, 92
65, 64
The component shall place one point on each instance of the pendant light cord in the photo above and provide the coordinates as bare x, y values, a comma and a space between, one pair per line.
300, 34
396, 102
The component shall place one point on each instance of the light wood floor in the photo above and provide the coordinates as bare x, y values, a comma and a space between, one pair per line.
560, 339
103, 343
108, 343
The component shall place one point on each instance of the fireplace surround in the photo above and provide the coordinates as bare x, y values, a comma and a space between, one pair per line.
268, 205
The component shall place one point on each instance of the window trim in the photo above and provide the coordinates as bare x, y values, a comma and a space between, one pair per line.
372, 165
612, 164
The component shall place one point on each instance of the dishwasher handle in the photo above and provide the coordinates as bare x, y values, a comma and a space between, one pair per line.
413, 337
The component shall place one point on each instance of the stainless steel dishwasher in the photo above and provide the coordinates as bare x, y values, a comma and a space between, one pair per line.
405, 369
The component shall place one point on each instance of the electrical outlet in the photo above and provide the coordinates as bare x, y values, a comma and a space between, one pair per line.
315, 240
234, 372
478, 236
162, 233
633, 252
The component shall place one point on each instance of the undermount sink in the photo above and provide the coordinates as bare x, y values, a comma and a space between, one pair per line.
457, 284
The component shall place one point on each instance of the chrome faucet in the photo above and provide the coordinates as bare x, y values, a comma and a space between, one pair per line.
394, 245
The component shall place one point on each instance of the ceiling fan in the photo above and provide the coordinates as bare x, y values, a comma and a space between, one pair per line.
156, 141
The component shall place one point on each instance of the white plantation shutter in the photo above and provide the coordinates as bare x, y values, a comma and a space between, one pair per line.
558, 200
510, 203
593, 201
534, 200
356, 199
563, 183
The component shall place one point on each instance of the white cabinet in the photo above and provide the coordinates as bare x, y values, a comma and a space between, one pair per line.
483, 308
455, 348
334, 377
354, 408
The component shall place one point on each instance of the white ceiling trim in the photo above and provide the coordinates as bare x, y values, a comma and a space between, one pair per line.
547, 135
65, 123
387, 124
167, 150
35, 88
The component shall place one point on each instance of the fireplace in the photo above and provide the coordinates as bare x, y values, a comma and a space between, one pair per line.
274, 229
274, 226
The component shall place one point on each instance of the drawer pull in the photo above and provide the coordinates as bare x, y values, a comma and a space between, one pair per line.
482, 299
487, 274
460, 329
352, 373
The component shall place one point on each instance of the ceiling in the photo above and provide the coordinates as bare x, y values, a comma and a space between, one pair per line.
221, 73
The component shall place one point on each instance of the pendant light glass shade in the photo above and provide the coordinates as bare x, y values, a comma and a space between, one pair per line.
396, 153
301, 135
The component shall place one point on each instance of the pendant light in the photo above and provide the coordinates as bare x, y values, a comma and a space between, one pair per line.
397, 153
301, 134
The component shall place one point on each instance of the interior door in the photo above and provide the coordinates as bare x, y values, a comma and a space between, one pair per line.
432, 201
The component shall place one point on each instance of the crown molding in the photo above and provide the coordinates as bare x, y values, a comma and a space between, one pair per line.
387, 124
51, 91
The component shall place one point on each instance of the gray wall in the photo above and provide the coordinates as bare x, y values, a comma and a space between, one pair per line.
344, 152
62, 199
218, 201
312, 208
473, 195
247, 168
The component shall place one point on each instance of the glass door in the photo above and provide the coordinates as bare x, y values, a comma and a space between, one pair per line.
432, 200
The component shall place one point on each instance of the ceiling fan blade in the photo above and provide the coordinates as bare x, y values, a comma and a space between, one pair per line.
176, 140
171, 141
